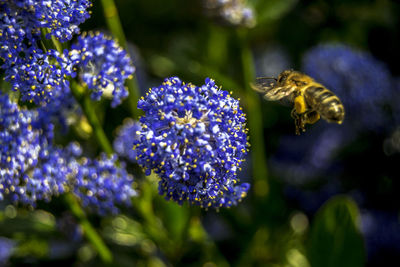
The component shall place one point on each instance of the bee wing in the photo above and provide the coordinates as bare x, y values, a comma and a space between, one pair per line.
270, 90
262, 85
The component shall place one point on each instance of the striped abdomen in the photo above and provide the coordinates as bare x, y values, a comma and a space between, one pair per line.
326, 103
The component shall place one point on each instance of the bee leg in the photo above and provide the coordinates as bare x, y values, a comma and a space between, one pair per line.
298, 121
311, 117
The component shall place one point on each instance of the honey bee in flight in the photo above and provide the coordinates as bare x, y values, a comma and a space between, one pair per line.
311, 100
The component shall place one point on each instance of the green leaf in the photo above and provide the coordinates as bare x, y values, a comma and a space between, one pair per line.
271, 10
335, 238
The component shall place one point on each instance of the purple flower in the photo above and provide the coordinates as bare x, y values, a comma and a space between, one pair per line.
24, 139
195, 139
61, 18
33, 169
102, 65
40, 77
6, 249
101, 185
126, 136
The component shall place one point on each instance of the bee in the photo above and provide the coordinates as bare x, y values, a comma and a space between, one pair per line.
311, 100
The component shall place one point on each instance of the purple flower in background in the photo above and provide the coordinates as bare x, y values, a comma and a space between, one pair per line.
6, 249
381, 230
270, 60
23, 142
101, 185
102, 65
195, 139
232, 12
126, 135
305, 158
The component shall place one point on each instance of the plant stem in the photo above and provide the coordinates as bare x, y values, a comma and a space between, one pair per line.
88, 230
254, 111
115, 26
87, 105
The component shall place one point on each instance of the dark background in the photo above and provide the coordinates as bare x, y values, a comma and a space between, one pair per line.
346, 213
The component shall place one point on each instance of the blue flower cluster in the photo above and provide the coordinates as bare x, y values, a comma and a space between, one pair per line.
103, 65
41, 75
17, 33
233, 12
38, 75
99, 184
23, 145
195, 139
32, 168
126, 136
61, 18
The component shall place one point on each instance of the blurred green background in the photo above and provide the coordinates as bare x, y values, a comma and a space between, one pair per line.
270, 227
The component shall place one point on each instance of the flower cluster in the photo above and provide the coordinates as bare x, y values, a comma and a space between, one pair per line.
233, 12
40, 76
126, 136
61, 18
100, 184
17, 33
23, 144
195, 139
103, 65
33, 169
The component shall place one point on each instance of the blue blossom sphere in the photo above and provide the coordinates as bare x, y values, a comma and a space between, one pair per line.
195, 139
102, 65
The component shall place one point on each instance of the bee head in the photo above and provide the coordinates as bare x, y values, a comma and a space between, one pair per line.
283, 76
